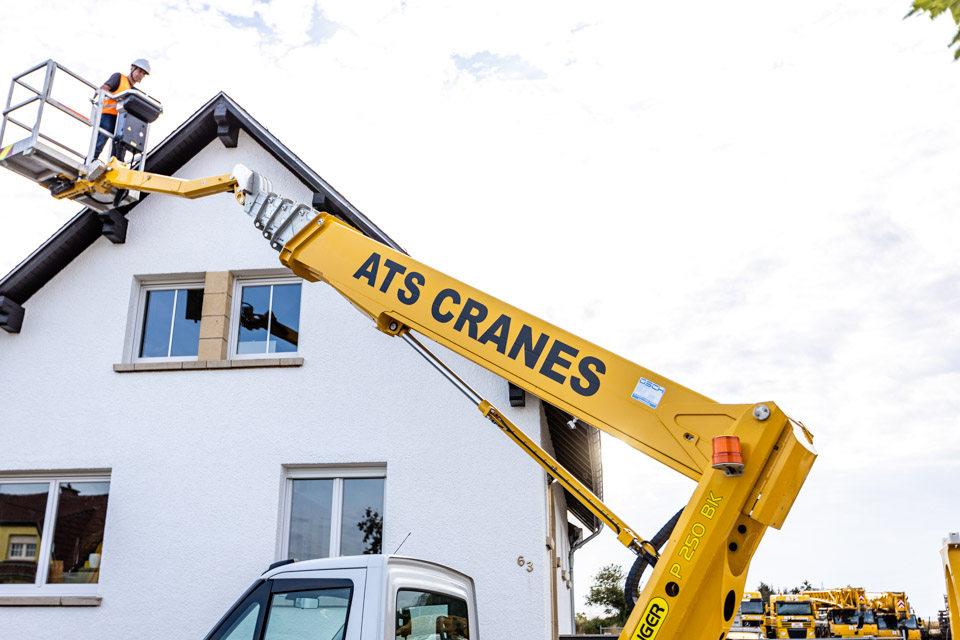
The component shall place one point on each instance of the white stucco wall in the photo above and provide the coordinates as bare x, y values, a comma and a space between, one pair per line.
196, 457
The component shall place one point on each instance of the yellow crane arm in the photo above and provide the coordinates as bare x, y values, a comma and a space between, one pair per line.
845, 598
696, 585
117, 176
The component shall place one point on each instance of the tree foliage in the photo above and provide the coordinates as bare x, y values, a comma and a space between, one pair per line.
934, 8
607, 592
372, 528
766, 590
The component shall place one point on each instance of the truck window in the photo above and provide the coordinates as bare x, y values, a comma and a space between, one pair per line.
794, 609
422, 615
313, 614
751, 607
845, 616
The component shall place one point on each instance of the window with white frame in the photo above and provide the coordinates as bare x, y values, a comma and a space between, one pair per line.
168, 321
332, 511
51, 532
265, 317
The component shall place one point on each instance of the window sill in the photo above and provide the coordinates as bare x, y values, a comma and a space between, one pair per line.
50, 601
205, 365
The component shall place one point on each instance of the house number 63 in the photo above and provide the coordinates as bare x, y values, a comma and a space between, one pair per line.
522, 562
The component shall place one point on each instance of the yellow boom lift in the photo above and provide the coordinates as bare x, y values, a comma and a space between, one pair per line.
749, 460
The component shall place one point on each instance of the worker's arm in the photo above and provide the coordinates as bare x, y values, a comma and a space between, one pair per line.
112, 83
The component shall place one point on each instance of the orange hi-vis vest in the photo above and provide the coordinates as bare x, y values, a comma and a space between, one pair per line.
109, 105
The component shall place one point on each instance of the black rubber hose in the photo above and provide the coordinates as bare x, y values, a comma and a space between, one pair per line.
632, 587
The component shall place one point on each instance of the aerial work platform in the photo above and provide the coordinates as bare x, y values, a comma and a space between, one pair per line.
59, 143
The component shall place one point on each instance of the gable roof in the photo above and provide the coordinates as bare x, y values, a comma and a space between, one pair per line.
221, 118
578, 450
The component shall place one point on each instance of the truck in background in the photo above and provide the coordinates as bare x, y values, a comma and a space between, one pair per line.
752, 610
842, 613
792, 615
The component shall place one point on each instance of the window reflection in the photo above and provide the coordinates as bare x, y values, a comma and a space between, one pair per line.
310, 513
78, 533
156, 324
269, 319
286, 318
22, 509
171, 323
186, 323
422, 615
362, 525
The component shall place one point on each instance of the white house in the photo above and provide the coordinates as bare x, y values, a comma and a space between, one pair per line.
161, 445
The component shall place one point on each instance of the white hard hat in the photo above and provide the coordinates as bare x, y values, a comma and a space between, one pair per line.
143, 64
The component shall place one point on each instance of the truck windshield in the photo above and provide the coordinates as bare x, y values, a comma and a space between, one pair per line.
887, 621
845, 616
751, 607
794, 609
422, 615
314, 614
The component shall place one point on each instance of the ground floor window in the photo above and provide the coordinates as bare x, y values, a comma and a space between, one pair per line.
333, 511
51, 529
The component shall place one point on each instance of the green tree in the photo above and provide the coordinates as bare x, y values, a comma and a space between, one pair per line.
934, 8
766, 591
587, 625
607, 592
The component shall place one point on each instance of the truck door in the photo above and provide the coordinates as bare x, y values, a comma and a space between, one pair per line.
299, 605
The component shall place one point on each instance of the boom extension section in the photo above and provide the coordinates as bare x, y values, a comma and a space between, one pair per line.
117, 176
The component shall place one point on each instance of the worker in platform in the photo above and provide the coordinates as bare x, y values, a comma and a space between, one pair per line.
115, 84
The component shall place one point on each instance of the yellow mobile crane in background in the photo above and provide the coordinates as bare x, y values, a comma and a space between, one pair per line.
893, 615
749, 460
842, 613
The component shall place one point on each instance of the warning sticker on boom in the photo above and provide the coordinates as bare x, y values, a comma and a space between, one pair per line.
649, 393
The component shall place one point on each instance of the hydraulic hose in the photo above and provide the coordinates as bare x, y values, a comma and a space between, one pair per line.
632, 586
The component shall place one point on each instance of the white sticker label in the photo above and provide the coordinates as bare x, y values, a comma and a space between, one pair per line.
649, 393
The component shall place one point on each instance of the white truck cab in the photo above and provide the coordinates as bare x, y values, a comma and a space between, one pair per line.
369, 597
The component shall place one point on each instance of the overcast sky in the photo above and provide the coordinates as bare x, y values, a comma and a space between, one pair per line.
755, 199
